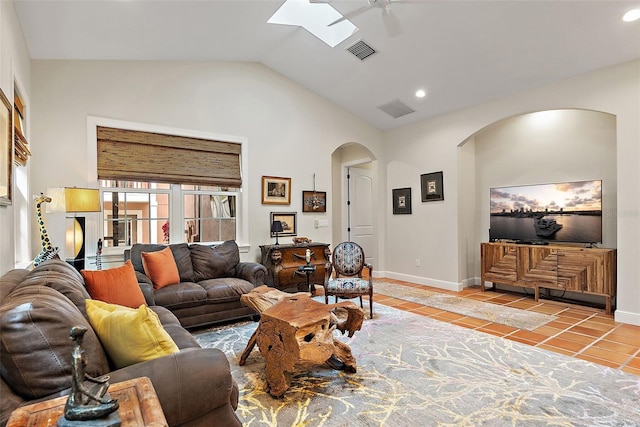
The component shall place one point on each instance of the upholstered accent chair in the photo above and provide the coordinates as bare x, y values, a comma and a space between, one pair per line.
347, 264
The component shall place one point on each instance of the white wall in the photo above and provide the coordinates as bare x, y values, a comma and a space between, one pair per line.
432, 145
15, 65
290, 131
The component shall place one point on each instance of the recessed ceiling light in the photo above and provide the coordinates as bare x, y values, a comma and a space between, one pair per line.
632, 15
315, 18
420, 93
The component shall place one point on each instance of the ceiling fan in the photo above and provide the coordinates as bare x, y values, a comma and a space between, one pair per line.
389, 20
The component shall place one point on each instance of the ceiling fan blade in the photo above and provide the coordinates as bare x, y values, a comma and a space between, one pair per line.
351, 14
391, 23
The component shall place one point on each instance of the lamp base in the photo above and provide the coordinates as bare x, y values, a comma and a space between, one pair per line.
77, 263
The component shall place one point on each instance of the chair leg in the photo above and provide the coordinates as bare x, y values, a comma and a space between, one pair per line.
326, 298
371, 305
361, 306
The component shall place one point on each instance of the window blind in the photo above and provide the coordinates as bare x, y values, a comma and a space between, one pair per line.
129, 155
21, 146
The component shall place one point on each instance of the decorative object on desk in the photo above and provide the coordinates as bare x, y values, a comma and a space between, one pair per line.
276, 190
48, 250
88, 403
307, 256
6, 148
276, 227
401, 201
300, 240
74, 200
288, 222
432, 187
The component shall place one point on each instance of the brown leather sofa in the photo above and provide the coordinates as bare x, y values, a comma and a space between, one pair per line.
37, 310
212, 280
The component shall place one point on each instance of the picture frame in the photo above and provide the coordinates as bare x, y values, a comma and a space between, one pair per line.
314, 201
276, 190
289, 223
431, 185
6, 149
401, 201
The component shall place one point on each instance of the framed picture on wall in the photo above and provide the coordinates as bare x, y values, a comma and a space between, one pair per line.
288, 221
276, 190
6, 149
401, 201
314, 201
431, 187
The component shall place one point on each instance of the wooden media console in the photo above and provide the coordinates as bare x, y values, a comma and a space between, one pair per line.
569, 268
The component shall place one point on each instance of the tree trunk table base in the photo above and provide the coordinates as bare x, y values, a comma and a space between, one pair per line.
296, 332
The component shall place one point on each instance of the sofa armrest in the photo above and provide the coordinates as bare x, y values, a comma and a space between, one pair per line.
190, 384
252, 272
147, 292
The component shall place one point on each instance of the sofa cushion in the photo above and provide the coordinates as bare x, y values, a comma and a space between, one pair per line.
129, 335
187, 294
61, 276
35, 349
225, 289
181, 255
214, 262
161, 268
117, 285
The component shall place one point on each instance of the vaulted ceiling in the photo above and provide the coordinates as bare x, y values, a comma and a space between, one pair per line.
461, 52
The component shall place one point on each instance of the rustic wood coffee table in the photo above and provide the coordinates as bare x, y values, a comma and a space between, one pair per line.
296, 332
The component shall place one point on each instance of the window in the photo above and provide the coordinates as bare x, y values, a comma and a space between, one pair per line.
141, 212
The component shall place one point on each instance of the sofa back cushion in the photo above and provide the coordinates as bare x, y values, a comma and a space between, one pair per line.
61, 276
212, 262
35, 347
181, 255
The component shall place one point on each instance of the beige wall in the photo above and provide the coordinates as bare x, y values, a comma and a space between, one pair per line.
433, 234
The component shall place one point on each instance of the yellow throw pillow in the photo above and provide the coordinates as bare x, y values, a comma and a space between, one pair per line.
129, 335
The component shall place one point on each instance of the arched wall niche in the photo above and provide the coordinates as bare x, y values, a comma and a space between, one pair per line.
540, 147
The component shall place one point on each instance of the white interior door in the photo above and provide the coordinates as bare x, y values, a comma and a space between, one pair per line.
360, 227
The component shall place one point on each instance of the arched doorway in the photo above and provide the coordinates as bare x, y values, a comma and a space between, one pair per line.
354, 198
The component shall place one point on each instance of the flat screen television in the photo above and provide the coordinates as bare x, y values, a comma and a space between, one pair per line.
543, 213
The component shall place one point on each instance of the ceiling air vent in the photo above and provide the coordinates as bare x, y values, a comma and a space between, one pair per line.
361, 50
396, 109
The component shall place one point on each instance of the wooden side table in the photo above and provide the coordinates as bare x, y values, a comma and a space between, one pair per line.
139, 406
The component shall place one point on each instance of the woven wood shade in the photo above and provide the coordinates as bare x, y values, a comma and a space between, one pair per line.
128, 155
21, 146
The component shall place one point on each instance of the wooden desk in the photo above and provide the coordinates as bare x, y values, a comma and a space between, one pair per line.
139, 406
282, 263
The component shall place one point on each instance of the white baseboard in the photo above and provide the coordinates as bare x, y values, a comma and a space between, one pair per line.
440, 284
627, 317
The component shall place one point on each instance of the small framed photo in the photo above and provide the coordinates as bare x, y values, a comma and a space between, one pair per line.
314, 201
401, 201
431, 186
276, 190
288, 221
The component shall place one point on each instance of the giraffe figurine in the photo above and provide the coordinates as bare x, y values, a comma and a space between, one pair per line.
48, 251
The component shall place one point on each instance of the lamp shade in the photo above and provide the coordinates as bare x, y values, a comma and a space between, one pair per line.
73, 199
276, 227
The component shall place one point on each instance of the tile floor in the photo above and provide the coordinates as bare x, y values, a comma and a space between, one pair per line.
582, 332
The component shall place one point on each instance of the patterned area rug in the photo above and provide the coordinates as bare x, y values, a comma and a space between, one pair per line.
413, 370
509, 316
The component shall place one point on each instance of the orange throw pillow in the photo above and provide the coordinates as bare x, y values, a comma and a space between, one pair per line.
161, 268
115, 285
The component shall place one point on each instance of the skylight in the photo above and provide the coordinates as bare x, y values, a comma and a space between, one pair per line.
315, 18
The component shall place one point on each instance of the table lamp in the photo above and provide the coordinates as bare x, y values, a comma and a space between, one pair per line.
74, 200
276, 227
